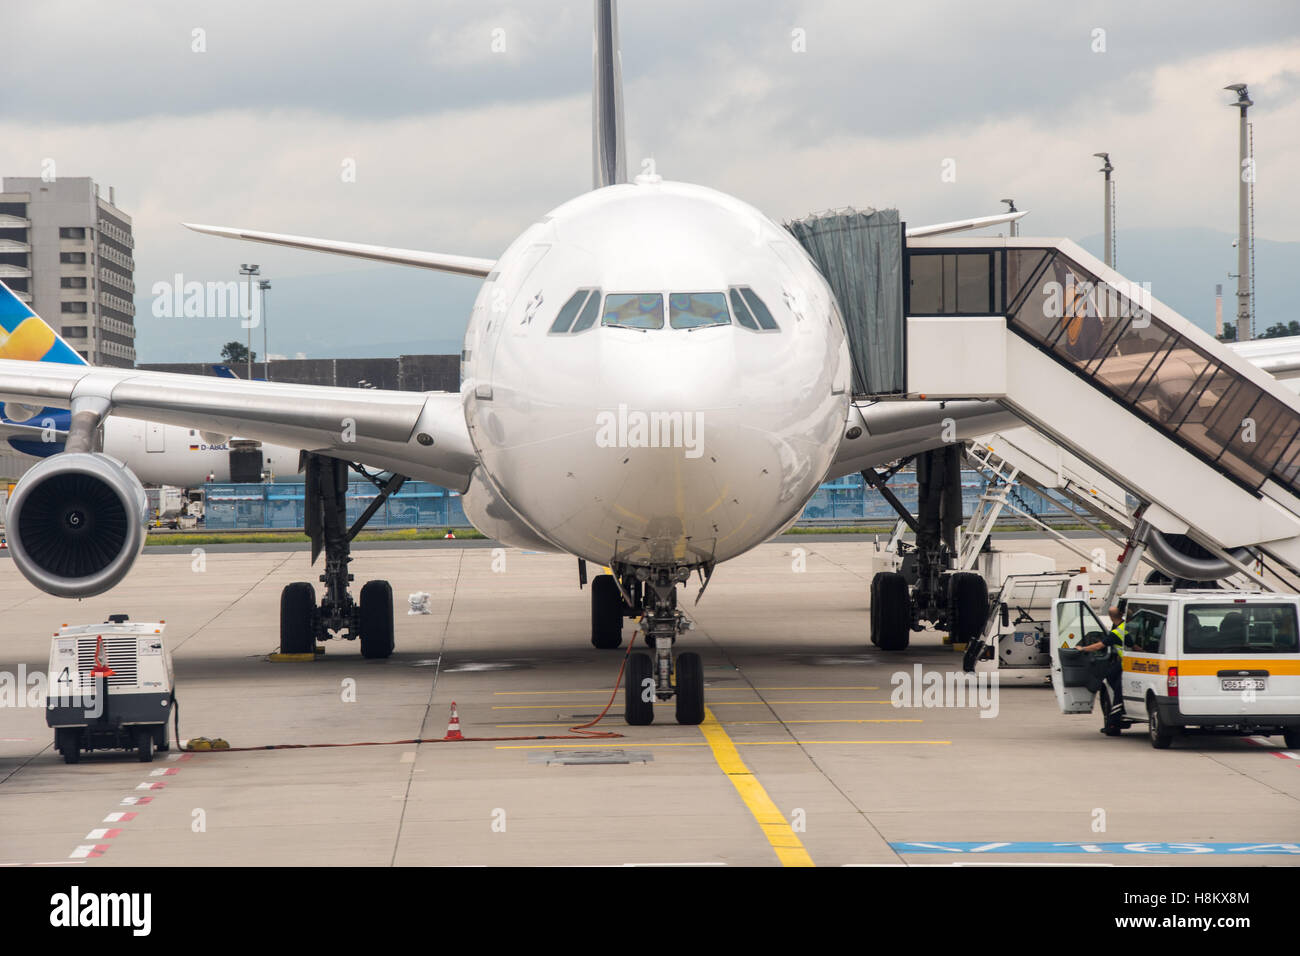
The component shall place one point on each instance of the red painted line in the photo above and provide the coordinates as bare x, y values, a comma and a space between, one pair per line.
136, 801
150, 786
168, 772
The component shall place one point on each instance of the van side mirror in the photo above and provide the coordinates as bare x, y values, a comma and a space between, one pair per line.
1006, 616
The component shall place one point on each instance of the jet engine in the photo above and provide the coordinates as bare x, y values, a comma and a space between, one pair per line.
76, 523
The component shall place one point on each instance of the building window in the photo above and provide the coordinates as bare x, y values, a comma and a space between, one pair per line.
72, 306
72, 232
77, 258
74, 331
73, 282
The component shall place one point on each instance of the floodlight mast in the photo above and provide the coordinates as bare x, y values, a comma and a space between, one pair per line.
1108, 196
1245, 179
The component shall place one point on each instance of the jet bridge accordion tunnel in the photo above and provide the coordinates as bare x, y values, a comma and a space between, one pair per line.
861, 254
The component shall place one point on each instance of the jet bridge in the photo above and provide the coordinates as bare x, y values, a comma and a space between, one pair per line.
1205, 441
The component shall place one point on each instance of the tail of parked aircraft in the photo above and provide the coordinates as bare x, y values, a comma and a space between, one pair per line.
25, 335
608, 155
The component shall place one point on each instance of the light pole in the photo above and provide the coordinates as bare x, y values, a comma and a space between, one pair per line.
1011, 207
1245, 176
249, 270
263, 285
1109, 196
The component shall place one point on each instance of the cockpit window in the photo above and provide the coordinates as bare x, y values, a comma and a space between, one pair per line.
637, 310
569, 311
695, 310
587, 318
761, 313
743, 315
751, 312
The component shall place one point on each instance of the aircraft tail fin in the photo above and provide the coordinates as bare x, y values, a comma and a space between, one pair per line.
24, 335
608, 156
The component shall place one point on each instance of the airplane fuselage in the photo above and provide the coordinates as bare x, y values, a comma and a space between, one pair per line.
660, 418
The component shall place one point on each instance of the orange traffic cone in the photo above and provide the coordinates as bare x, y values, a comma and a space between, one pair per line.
453, 725
101, 668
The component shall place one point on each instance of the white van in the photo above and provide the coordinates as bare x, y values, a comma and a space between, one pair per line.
1220, 661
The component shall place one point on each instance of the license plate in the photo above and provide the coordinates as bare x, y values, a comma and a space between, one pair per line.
1241, 683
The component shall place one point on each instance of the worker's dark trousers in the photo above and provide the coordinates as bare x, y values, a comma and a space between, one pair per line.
1115, 678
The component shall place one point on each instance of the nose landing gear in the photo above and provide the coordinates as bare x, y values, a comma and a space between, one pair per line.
658, 676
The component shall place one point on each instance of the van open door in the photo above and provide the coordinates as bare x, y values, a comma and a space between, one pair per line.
1074, 623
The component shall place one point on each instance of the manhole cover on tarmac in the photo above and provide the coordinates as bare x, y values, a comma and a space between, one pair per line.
592, 756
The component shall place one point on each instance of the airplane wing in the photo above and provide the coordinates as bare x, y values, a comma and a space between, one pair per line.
459, 265
961, 225
419, 434
886, 431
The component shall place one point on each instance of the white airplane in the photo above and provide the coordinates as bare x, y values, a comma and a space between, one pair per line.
655, 378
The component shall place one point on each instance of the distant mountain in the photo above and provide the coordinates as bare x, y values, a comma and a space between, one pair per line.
368, 313
1184, 265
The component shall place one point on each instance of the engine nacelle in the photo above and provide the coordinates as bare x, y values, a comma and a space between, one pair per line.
76, 523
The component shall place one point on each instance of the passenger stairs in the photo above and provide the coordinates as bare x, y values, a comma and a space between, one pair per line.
1132, 409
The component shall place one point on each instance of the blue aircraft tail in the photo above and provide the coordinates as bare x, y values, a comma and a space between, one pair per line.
24, 335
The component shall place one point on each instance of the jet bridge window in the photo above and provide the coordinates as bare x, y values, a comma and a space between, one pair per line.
963, 283
696, 310
751, 311
634, 310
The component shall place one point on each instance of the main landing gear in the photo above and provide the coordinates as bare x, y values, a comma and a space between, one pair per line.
651, 594
302, 621
924, 588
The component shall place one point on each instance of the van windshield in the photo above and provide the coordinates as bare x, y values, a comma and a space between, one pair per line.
1246, 628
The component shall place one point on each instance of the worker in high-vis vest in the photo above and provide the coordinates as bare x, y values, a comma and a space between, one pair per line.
1114, 640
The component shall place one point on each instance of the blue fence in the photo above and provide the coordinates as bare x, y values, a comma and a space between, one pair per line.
420, 504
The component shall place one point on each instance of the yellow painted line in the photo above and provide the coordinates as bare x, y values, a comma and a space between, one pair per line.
638, 745
750, 703
847, 687
545, 693
543, 704
606, 745
841, 720
789, 849
717, 703
777, 743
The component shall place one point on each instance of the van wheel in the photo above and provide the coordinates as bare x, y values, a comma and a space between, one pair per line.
1291, 737
1161, 736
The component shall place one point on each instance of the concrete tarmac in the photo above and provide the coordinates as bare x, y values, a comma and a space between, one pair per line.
804, 759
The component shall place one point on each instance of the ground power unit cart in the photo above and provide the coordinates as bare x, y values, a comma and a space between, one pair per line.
110, 688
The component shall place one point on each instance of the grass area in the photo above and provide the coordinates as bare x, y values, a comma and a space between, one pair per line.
191, 538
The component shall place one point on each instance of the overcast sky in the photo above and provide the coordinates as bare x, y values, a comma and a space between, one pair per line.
457, 147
